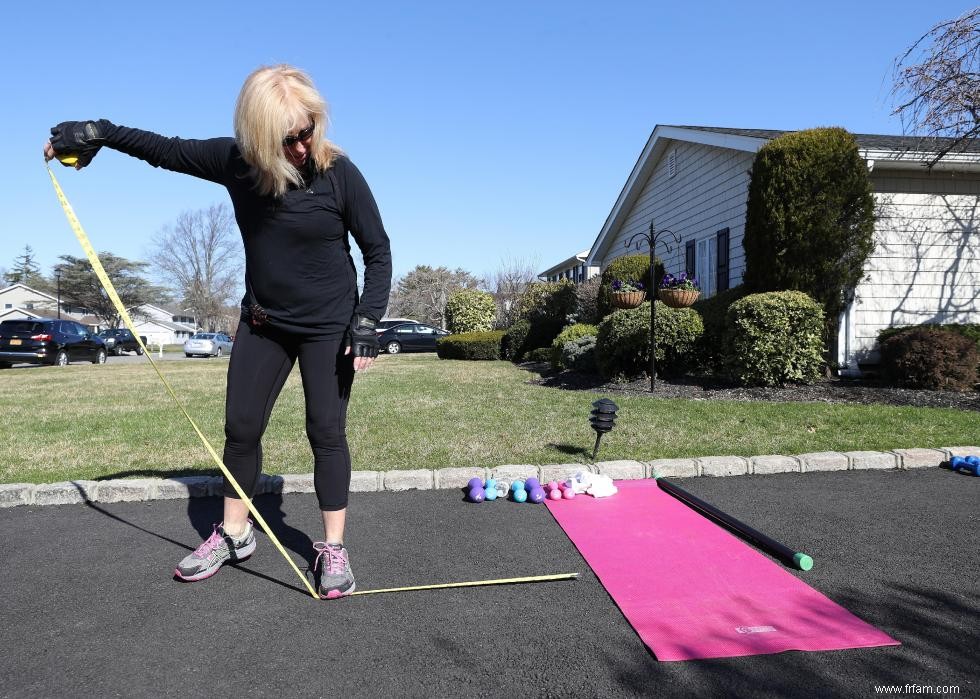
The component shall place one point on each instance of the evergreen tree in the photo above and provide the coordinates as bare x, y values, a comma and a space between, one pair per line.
81, 287
809, 223
26, 271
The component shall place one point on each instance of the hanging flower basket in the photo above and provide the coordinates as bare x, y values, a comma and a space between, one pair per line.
679, 298
628, 299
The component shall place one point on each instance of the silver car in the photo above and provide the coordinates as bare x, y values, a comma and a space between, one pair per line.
208, 345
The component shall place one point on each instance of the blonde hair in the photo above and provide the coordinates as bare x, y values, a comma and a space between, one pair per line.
274, 101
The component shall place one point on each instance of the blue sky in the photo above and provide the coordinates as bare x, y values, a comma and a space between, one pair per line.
486, 131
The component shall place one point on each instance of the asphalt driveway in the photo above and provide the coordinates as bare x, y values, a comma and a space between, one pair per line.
90, 607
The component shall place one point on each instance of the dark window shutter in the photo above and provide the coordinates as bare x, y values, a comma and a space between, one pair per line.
689, 260
722, 278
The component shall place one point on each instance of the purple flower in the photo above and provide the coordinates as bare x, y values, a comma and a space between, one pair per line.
626, 285
681, 281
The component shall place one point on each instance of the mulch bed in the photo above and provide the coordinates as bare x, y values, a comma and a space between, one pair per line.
831, 390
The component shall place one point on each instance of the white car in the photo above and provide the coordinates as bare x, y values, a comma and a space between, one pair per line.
208, 345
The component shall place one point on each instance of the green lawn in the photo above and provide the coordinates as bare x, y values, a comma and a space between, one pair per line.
415, 411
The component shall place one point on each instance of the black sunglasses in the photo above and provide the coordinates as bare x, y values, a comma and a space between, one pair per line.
301, 136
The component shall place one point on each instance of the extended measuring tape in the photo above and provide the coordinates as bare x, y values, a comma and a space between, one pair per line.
473, 583
93, 258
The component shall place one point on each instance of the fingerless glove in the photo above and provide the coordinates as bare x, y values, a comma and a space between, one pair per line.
83, 139
363, 337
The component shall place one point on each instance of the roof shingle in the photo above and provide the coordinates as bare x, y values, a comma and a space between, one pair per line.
901, 144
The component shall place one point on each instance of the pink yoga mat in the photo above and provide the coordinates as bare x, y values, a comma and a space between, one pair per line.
693, 590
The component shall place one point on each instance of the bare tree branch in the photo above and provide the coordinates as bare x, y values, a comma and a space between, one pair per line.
422, 293
936, 88
507, 285
200, 256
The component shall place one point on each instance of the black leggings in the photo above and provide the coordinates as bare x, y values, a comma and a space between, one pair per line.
261, 361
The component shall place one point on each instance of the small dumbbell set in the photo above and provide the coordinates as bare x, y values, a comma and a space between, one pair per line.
966, 464
532, 490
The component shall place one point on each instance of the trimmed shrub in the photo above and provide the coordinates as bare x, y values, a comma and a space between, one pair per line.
572, 332
514, 344
587, 301
931, 358
968, 330
623, 341
775, 338
470, 310
809, 219
634, 268
478, 345
546, 307
579, 355
710, 350
542, 334
540, 354
547, 301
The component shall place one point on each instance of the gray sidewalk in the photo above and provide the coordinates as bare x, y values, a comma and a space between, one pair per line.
140, 489
90, 606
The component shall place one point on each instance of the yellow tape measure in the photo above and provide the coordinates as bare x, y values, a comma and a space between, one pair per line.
474, 583
93, 258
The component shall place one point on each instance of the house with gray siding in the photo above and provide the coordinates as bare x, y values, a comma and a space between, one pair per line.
693, 181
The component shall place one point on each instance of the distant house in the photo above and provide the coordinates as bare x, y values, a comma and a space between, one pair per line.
19, 301
161, 326
573, 268
926, 266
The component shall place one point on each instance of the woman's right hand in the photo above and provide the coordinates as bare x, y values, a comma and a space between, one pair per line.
80, 139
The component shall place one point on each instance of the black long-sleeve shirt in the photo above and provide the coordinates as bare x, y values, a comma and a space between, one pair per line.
298, 265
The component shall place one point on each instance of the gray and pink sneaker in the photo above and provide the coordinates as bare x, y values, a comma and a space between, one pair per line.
217, 549
336, 577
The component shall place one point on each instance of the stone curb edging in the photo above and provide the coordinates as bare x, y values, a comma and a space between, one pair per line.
143, 489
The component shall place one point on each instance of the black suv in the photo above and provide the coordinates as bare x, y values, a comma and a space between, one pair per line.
119, 340
44, 341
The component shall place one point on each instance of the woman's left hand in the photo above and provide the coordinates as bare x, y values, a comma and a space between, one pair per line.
360, 363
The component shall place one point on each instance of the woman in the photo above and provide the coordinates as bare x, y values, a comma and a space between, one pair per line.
295, 196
